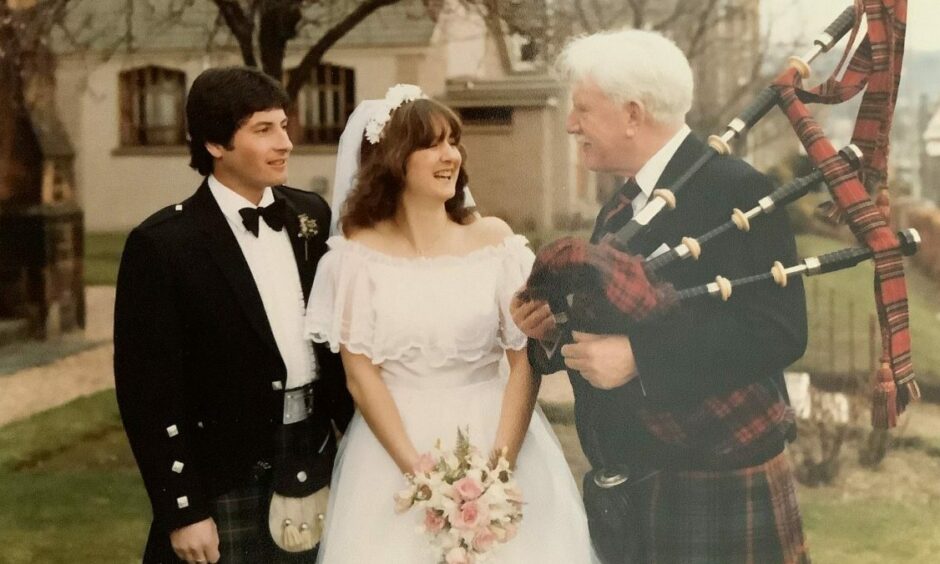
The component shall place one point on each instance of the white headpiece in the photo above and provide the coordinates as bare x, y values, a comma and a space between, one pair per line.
367, 121
394, 97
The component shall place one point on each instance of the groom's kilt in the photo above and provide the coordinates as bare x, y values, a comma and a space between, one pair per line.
749, 515
241, 517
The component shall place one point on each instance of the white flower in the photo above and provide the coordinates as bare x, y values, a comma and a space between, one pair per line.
394, 97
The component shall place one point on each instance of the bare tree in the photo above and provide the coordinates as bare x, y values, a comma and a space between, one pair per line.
24, 57
24, 38
719, 37
263, 29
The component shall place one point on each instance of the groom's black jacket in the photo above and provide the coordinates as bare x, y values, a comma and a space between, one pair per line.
198, 374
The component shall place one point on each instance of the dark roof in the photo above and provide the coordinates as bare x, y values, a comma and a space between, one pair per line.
106, 25
535, 90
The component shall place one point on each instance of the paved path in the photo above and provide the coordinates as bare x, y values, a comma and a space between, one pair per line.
44, 387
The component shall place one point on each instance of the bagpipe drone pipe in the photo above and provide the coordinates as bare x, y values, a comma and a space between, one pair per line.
593, 287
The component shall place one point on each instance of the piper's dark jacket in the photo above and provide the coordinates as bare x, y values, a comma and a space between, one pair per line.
198, 374
706, 347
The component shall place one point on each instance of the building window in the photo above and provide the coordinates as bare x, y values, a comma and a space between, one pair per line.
152, 107
323, 105
496, 115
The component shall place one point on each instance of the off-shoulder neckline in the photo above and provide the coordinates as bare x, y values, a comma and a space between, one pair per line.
512, 240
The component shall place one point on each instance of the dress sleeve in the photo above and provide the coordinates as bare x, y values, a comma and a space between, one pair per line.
517, 263
339, 311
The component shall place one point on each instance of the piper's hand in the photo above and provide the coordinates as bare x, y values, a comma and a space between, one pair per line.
533, 317
606, 361
197, 543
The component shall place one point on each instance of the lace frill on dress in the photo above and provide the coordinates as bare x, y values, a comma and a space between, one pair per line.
359, 301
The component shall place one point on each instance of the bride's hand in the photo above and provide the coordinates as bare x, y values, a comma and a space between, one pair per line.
423, 463
496, 454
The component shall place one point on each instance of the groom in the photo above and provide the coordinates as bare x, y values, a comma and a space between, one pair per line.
210, 357
691, 406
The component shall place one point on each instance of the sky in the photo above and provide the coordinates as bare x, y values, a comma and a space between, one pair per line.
793, 19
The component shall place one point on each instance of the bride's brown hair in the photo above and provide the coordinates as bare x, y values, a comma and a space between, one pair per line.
415, 125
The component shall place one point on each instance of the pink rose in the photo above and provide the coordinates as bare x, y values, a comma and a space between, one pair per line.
458, 555
468, 488
425, 464
484, 540
433, 521
469, 515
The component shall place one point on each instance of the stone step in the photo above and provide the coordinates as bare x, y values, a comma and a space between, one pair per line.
13, 331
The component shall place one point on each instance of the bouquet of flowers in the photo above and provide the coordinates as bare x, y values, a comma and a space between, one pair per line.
470, 504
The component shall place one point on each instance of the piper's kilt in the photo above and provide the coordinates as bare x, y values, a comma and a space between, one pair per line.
748, 515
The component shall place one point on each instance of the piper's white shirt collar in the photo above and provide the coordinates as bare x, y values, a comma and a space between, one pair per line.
649, 174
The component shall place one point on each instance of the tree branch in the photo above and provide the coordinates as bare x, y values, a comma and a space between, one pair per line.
279, 21
299, 75
242, 26
681, 7
704, 24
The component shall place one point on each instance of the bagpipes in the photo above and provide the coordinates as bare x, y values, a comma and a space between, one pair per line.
593, 287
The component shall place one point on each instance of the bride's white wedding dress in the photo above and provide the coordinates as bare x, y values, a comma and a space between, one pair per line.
438, 328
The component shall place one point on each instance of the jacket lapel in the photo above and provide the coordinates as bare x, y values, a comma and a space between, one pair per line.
688, 152
302, 247
686, 155
224, 249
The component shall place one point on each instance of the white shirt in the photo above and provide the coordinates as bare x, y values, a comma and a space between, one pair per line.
649, 174
274, 269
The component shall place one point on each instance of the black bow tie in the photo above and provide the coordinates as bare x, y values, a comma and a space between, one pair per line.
273, 215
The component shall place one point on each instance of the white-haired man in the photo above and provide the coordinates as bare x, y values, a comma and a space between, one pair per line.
692, 403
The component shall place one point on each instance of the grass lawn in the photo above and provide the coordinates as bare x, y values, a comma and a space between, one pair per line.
102, 257
869, 531
70, 490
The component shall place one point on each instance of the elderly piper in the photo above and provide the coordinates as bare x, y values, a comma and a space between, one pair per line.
685, 420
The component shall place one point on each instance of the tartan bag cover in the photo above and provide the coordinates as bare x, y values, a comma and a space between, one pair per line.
574, 266
877, 64
612, 292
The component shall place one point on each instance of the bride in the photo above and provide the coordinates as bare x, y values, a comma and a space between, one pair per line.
416, 299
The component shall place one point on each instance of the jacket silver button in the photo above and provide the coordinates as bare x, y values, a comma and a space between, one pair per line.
301, 476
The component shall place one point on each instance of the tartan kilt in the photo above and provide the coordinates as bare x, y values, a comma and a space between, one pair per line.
747, 515
241, 517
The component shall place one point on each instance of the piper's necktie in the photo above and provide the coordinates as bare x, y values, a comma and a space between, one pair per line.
617, 211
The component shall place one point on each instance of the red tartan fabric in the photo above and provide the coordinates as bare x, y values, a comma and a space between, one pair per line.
573, 266
720, 429
723, 427
877, 65
742, 516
